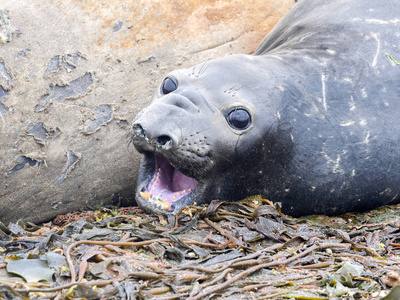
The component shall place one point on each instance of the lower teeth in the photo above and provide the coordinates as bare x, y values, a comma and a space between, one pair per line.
145, 195
157, 202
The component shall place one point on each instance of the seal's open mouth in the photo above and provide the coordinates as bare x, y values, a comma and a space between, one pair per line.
167, 186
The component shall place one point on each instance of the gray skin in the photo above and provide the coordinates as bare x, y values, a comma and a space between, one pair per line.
323, 95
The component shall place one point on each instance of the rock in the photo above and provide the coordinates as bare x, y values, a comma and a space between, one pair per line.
77, 73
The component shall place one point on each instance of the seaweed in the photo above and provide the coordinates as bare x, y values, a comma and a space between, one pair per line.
393, 60
245, 249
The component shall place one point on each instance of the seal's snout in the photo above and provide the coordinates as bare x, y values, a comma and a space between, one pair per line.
141, 138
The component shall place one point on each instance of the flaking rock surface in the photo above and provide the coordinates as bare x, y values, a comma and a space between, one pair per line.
72, 76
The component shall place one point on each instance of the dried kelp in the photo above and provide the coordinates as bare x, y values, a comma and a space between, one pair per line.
242, 250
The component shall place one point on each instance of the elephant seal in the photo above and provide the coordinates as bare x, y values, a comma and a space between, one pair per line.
311, 120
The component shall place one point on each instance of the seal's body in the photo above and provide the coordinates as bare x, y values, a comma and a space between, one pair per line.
311, 120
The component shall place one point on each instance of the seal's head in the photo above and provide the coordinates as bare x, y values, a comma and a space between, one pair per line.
202, 136
310, 120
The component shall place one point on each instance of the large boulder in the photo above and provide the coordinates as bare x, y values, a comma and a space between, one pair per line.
73, 74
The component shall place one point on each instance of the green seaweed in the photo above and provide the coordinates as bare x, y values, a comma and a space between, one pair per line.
393, 60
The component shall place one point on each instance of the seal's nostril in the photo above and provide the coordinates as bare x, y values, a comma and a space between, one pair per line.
138, 130
163, 141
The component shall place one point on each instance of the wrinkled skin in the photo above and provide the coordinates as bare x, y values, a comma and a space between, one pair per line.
323, 98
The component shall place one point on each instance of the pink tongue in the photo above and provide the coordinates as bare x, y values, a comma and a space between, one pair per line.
169, 184
181, 182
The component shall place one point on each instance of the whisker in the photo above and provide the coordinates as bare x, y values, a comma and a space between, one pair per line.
201, 71
223, 157
241, 87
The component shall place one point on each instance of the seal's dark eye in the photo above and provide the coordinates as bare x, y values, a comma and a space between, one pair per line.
169, 85
239, 118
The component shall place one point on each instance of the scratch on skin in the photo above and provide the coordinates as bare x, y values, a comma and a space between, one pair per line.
363, 93
376, 21
345, 124
323, 78
382, 22
375, 36
395, 197
352, 104
336, 168
366, 140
